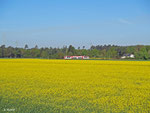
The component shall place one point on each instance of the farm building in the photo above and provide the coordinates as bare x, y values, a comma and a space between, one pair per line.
128, 56
76, 57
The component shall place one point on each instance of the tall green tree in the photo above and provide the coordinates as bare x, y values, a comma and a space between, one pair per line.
71, 50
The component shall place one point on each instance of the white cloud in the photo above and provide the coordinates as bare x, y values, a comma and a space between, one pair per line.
124, 21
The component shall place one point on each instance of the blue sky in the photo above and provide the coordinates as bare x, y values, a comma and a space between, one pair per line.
78, 22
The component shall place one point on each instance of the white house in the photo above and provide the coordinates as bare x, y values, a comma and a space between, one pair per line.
132, 56
128, 56
76, 57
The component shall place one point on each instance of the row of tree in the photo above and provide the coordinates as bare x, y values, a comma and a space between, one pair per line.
99, 51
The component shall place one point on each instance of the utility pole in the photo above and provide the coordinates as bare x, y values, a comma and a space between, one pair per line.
3, 38
16, 44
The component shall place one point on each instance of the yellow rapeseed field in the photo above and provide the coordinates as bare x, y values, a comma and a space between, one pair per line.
49, 86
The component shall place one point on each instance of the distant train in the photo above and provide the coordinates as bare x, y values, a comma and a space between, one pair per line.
76, 57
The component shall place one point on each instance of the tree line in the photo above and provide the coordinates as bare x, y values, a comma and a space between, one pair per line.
99, 51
